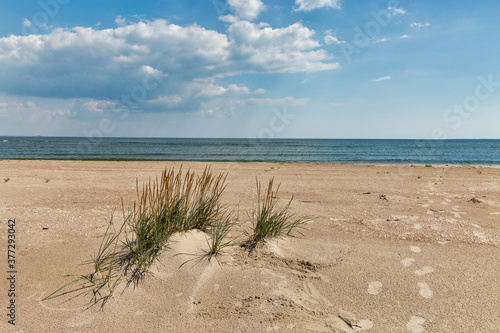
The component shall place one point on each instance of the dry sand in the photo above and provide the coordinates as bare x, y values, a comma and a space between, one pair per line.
391, 248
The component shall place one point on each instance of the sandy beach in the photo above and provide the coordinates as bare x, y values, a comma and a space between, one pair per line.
390, 248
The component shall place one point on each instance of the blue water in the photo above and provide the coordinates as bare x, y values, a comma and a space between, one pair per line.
261, 150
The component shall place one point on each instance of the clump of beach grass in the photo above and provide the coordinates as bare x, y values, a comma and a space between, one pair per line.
173, 203
6, 180
268, 220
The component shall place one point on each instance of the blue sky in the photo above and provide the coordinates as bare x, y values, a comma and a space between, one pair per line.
250, 68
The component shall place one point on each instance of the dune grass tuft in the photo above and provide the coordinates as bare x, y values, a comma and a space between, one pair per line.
268, 220
173, 203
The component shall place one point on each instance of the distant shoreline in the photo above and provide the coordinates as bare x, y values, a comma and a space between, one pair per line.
366, 164
355, 151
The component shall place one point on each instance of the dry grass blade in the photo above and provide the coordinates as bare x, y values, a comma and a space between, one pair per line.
219, 231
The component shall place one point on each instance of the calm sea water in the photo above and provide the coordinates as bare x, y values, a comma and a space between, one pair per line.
262, 150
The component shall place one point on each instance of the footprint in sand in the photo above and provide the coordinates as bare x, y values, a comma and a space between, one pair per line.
415, 325
407, 262
374, 287
415, 249
481, 235
424, 270
425, 291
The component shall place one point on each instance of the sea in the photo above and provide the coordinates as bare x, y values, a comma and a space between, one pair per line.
371, 151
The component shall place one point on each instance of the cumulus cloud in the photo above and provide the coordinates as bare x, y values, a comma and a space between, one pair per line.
154, 61
383, 78
381, 40
247, 9
308, 5
290, 49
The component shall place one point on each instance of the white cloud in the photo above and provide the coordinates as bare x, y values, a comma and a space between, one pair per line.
329, 39
229, 18
418, 25
179, 65
21, 110
96, 106
225, 106
308, 5
209, 113
247, 9
396, 11
381, 40
27, 23
259, 91
169, 101
282, 50
228, 105
120, 21
404, 36
383, 78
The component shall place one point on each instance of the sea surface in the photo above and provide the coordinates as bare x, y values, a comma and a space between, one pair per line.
482, 152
